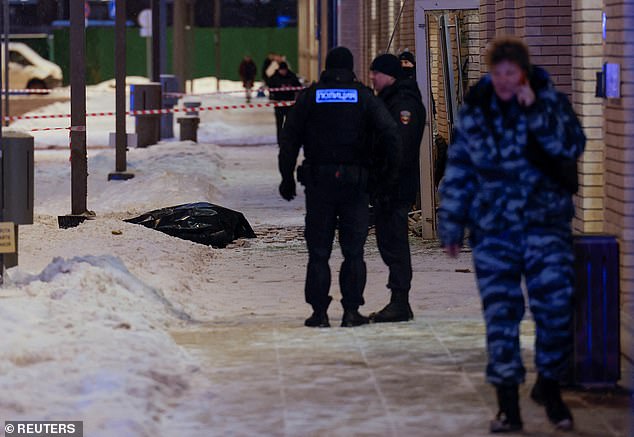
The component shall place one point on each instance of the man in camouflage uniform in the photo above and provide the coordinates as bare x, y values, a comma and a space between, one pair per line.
518, 213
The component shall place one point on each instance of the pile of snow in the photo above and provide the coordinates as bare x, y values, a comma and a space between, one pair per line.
164, 175
86, 340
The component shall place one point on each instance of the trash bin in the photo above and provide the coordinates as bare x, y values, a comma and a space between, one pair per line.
17, 184
17, 177
191, 107
596, 343
147, 126
169, 85
189, 128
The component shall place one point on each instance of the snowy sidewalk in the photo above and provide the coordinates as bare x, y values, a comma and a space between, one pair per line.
422, 378
274, 377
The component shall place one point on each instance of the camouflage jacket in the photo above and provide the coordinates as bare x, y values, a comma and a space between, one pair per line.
489, 185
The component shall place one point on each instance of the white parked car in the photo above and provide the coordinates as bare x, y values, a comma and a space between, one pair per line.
27, 69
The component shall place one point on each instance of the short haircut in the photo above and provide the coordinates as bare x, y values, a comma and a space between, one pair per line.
508, 48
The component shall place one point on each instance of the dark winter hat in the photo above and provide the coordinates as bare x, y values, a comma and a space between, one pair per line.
339, 57
283, 66
387, 64
407, 56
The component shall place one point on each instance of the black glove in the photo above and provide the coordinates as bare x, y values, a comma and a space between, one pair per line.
287, 189
383, 201
385, 197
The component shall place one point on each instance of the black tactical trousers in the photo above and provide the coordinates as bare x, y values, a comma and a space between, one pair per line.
280, 116
329, 208
393, 243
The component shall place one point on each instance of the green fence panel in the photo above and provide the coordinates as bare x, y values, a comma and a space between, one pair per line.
237, 42
234, 44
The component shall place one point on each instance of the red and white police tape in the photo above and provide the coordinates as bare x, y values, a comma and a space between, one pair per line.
31, 91
215, 93
147, 112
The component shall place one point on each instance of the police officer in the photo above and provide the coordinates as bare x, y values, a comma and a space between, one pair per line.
392, 204
335, 121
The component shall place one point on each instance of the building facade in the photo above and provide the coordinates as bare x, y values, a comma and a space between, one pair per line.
572, 39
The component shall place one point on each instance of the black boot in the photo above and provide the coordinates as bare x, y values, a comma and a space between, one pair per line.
353, 318
508, 418
546, 392
319, 317
398, 310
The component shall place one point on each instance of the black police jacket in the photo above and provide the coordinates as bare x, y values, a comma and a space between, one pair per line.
335, 121
279, 81
404, 101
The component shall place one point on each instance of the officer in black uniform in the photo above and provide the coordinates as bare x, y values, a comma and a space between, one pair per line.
335, 121
392, 204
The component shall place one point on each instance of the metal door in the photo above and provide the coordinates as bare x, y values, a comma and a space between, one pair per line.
440, 16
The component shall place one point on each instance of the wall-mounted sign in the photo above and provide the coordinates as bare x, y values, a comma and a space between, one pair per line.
7, 237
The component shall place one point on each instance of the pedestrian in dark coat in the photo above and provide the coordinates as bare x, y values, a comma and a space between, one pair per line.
283, 78
518, 212
335, 121
392, 203
265, 65
408, 64
247, 71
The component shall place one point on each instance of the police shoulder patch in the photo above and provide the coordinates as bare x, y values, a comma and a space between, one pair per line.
406, 116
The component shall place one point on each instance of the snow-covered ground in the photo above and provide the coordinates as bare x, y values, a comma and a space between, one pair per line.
86, 315
90, 316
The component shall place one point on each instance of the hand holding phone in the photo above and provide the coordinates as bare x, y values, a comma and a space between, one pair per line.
525, 94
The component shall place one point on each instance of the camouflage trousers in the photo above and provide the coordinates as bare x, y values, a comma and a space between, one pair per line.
544, 258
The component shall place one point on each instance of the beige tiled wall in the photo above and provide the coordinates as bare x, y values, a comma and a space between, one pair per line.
587, 57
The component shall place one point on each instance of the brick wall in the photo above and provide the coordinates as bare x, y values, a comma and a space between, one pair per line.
487, 29
376, 30
505, 17
471, 25
546, 27
406, 34
587, 57
351, 24
371, 38
619, 165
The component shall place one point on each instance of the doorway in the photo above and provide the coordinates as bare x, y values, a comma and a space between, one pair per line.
448, 55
